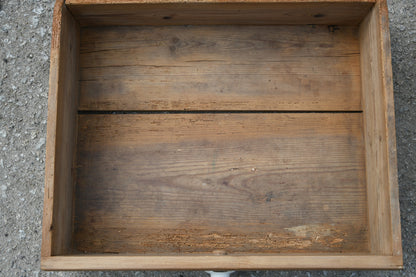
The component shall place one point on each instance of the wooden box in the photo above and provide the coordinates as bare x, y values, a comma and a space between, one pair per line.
250, 134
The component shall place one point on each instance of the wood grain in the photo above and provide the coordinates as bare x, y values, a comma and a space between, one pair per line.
220, 68
238, 183
387, 79
218, 263
61, 134
93, 13
379, 133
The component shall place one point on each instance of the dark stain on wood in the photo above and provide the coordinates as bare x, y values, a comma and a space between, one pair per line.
220, 68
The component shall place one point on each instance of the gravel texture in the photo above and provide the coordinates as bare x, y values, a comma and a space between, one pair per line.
25, 33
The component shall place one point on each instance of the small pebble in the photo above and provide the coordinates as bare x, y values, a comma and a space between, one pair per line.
40, 144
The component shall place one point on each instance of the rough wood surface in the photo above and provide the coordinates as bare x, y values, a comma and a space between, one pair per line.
61, 134
231, 262
378, 113
218, 12
220, 68
387, 79
238, 183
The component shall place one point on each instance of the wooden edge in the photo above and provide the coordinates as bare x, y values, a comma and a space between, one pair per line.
219, 262
95, 2
46, 248
387, 79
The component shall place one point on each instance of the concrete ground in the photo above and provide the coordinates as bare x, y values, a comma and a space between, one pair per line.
25, 33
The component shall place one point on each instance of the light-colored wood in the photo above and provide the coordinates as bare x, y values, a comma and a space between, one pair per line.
231, 262
93, 13
61, 134
220, 68
239, 183
375, 135
387, 80
379, 133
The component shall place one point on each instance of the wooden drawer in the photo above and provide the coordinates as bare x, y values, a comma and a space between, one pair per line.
221, 135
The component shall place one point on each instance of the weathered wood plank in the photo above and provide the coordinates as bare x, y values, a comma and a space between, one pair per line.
387, 79
61, 134
239, 183
220, 68
379, 133
93, 13
229, 262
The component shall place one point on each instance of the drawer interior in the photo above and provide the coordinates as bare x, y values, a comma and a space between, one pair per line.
228, 138
220, 129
